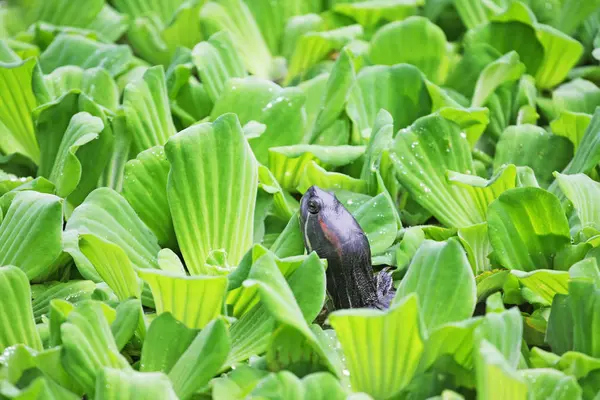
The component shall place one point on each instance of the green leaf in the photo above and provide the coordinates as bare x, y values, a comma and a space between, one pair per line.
235, 16
504, 331
145, 188
333, 101
66, 171
263, 101
532, 146
454, 339
96, 83
16, 124
509, 36
544, 283
376, 217
157, 40
30, 233
507, 68
399, 89
202, 359
279, 300
471, 13
370, 13
107, 215
422, 155
208, 214
314, 174
16, 313
561, 53
217, 60
313, 46
588, 153
573, 13
581, 190
577, 95
495, 377
474, 121
550, 384
73, 290
395, 44
306, 278
88, 345
272, 18
477, 244
585, 309
571, 125
440, 272
385, 364
111, 264
483, 192
193, 300
280, 385
147, 112
129, 318
159, 353
289, 163
527, 227
67, 49
323, 386
115, 384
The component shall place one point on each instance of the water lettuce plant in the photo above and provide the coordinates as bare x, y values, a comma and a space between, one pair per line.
153, 155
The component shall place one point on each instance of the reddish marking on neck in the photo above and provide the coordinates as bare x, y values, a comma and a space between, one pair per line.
331, 236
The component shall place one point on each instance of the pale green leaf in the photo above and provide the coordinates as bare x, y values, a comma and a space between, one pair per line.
67, 49
571, 125
66, 171
113, 384
314, 46
477, 244
112, 264
88, 345
107, 215
507, 68
235, 16
159, 353
96, 83
193, 300
551, 384
482, 191
30, 233
532, 146
544, 283
399, 89
217, 60
370, 13
211, 214
395, 44
288, 163
202, 359
73, 290
387, 362
314, 174
16, 313
496, 379
581, 190
422, 155
16, 124
147, 112
145, 188
527, 227
440, 272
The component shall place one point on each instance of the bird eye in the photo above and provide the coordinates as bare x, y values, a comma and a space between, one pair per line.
314, 206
